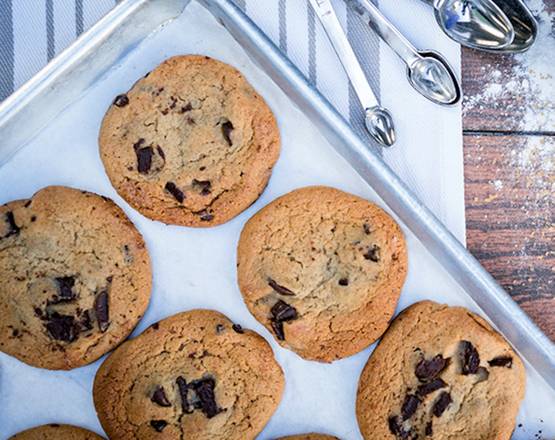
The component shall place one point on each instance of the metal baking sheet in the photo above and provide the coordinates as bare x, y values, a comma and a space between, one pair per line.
53, 122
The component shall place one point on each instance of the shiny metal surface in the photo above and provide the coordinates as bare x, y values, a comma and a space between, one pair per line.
431, 76
378, 122
479, 24
524, 24
42, 99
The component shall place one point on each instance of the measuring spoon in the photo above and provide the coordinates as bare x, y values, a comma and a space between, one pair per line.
479, 24
378, 120
428, 72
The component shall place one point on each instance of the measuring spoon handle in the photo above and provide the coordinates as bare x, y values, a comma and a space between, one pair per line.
385, 30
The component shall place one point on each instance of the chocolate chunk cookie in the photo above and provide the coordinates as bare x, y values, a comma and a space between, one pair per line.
56, 432
322, 270
440, 372
191, 143
75, 277
193, 376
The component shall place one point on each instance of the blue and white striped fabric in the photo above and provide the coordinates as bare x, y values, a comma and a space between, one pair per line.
32, 32
428, 155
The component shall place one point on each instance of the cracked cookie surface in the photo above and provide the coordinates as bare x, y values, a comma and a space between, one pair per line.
76, 277
322, 270
54, 431
440, 372
191, 143
193, 376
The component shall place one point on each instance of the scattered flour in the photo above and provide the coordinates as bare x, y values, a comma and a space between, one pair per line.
498, 184
525, 88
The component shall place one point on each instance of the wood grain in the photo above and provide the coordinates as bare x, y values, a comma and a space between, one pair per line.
509, 190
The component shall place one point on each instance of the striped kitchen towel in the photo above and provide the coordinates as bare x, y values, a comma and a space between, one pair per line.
428, 154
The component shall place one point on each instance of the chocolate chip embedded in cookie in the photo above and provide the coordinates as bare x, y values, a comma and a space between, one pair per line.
440, 372
55, 431
195, 375
190, 144
322, 270
76, 278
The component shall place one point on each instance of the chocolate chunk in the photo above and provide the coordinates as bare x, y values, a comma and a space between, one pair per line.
396, 428
501, 361
155, 326
470, 359
280, 289
373, 253
277, 326
204, 389
187, 108
366, 228
441, 404
102, 311
159, 397
430, 387
429, 369
281, 311
161, 152
138, 144
429, 431
144, 159
183, 394
227, 128
65, 288
206, 216
409, 407
13, 229
38, 312
62, 327
121, 100
203, 186
237, 328
175, 191
158, 425
343, 282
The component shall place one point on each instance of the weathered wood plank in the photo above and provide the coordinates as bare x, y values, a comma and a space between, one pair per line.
513, 92
510, 182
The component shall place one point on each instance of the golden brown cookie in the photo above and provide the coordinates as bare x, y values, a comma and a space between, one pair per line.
442, 373
191, 143
54, 431
75, 277
322, 270
195, 375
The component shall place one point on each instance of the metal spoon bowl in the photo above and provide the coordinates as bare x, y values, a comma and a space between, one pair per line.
432, 76
428, 72
479, 24
379, 124
524, 24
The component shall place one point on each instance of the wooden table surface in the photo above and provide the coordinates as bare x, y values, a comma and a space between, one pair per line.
509, 181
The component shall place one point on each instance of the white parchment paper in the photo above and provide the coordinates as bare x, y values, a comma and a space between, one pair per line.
196, 267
